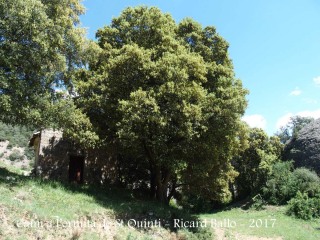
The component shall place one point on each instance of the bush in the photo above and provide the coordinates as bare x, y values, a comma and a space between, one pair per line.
195, 204
16, 155
281, 185
304, 207
307, 181
258, 203
16, 135
29, 153
284, 183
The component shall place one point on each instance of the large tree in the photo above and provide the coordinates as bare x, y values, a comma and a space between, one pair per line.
40, 47
167, 93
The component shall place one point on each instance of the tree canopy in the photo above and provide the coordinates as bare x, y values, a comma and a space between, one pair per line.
254, 164
166, 93
40, 47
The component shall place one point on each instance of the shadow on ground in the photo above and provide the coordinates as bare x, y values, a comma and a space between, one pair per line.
123, 202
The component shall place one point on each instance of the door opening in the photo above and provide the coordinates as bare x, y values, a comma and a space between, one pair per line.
76, 166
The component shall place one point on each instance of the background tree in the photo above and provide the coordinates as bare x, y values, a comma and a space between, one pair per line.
291, 129
40, 47
255, 163
166, 93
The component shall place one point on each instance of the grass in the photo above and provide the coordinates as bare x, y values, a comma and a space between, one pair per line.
271, 222
31, 209
105, 212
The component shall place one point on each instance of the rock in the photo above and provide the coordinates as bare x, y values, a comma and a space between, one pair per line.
304, 149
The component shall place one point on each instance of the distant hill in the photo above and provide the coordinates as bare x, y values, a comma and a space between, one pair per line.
14, 147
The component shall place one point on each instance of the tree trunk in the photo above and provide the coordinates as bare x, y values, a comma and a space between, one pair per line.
173, 189
152, 184
162, 180
159, 178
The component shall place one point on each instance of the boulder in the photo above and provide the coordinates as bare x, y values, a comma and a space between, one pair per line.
304, 149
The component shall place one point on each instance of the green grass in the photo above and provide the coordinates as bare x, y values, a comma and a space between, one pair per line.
28, 206
271, 222
26, 199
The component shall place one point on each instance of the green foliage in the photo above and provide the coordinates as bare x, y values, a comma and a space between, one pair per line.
307, 181
258, 203
281, 185
16, 155
18, 136
166, 92
41, 46
195, 204
304, 207
255, 163
284, 183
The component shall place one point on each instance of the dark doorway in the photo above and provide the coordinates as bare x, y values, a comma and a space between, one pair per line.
76, 166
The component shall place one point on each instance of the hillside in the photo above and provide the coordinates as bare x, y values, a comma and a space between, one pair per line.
14, 149
34, 209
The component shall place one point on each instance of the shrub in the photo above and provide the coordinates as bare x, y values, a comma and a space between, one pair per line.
284, 183
258, 203
16, 155
195, 204
16, 135
307, 181
31, 164
304, 207
29, 153
281, 185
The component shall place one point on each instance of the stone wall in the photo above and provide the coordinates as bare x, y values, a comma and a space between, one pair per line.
54, 156
53, 159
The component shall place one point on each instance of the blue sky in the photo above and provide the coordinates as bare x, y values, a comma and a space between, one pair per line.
274, 45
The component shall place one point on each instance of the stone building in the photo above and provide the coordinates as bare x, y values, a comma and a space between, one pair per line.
59, 159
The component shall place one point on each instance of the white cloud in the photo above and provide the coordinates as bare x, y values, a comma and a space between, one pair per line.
296, 92
315, 114
255, 120
316, 80
282, 121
